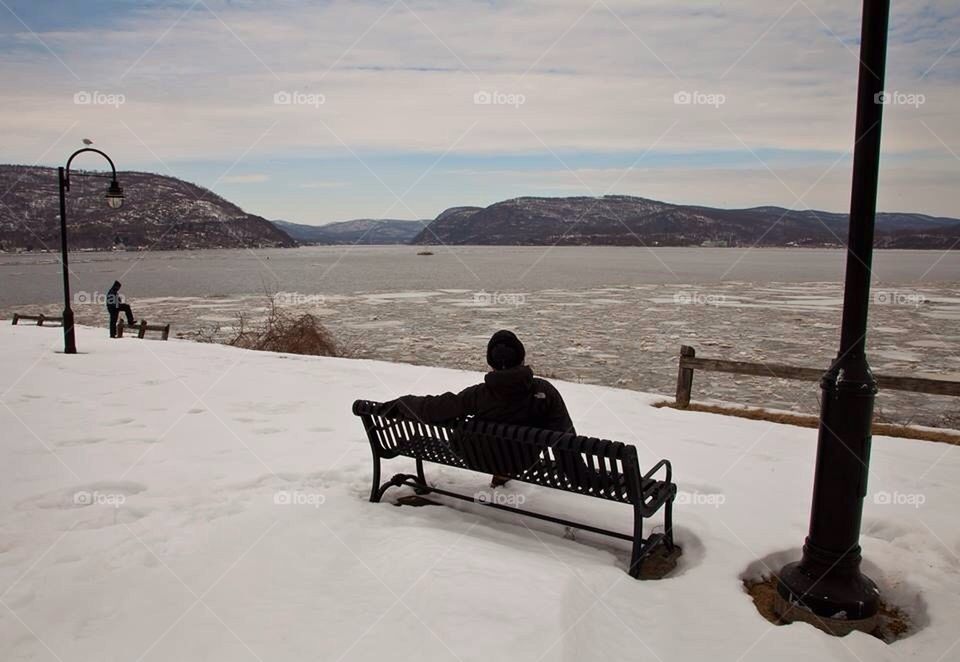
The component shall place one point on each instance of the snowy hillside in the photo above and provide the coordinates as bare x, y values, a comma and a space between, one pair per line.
361, 231
159, 213
624, 220
180, 501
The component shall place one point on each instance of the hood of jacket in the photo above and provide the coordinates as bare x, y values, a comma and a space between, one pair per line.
511, 382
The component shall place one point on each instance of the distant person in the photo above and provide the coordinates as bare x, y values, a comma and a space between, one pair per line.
115, 306
509, 394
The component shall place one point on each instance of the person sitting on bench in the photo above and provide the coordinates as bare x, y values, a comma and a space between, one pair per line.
509, 394
115, 306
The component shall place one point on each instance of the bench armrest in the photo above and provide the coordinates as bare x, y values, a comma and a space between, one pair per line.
659, 465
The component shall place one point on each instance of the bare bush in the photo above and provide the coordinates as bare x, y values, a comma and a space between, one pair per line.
283, 331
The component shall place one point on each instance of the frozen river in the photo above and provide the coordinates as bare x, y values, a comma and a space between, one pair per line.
613, 316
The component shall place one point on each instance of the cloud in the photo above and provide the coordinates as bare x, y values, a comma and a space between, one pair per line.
254, 178
329, 184
382, 78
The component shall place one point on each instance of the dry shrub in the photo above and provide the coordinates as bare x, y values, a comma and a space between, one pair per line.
286, 332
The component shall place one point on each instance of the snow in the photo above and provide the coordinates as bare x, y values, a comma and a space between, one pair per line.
173, 500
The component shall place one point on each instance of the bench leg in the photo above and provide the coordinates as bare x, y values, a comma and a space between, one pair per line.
636, 556
668, 523
421, 478
375, 492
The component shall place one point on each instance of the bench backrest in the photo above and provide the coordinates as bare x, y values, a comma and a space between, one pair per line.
586, 465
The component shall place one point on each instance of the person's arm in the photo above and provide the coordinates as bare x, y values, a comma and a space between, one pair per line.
434, 408
557, 417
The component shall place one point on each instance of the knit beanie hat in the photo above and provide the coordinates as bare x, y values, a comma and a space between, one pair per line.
505, 351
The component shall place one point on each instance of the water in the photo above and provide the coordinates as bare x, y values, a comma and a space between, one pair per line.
343, 270
604, 315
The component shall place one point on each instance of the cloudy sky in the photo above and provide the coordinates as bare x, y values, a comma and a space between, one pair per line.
320, 111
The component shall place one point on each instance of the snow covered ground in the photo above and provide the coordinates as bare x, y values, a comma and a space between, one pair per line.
181, 501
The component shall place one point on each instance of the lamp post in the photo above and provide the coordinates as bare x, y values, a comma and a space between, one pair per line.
826, 587
114, 198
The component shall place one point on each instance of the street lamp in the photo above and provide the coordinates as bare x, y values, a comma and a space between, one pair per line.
826, 587
114, 198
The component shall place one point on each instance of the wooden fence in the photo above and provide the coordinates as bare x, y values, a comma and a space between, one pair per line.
40, 320
689, 362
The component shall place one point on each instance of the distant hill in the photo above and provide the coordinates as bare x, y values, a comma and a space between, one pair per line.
158, 213
631, 221
365, 231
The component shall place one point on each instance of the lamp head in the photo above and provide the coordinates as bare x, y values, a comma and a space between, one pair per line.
115, 195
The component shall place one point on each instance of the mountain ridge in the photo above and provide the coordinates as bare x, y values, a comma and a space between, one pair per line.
159, 213
363, 231
621, 220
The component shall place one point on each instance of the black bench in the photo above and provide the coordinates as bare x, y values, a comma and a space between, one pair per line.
39, 319
581, 465
143, 327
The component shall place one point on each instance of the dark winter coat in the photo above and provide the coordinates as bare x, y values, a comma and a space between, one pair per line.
113, 297
513, 396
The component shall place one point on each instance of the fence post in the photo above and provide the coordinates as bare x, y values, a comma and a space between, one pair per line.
684, 378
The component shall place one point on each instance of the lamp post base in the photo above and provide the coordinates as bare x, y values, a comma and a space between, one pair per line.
69, 336
836, 600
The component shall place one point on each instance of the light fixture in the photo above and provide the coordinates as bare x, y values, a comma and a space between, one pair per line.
115, 195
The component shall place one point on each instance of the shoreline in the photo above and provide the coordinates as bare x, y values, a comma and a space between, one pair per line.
623, 337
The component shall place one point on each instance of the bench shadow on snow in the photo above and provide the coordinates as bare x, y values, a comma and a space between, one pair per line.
579, 548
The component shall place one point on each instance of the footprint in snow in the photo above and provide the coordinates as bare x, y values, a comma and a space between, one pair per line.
81, 441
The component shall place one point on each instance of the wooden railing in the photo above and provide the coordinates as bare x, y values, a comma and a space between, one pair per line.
39, 319
689, 362
142, 329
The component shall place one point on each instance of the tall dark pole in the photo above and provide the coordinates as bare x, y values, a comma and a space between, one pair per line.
115, 200
826, 587
69, 337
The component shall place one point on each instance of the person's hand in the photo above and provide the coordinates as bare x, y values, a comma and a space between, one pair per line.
388, 409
